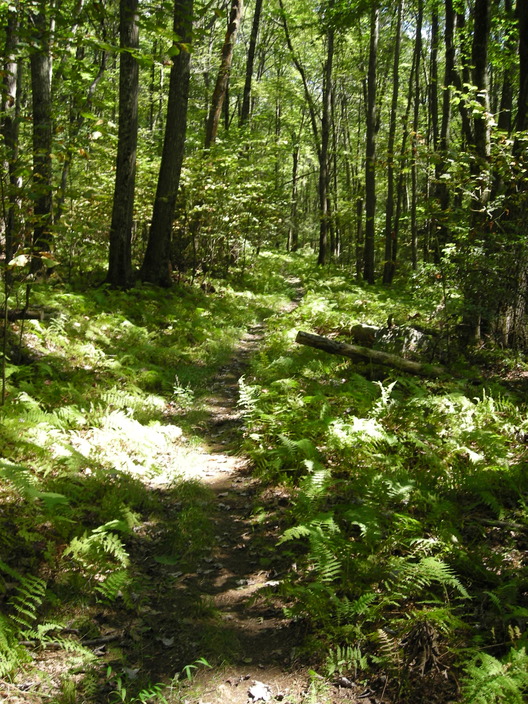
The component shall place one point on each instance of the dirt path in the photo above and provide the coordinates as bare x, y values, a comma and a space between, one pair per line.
260, 642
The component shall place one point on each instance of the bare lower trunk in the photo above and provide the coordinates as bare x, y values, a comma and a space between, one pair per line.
370, 153
40, 63
222, 80
157, 263
120, 257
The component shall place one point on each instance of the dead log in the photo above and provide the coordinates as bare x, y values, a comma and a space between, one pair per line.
26, 314
368, 355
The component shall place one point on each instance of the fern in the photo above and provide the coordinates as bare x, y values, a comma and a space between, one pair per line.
345, 659
414, 577
326, 563
389, 648
29, 596
114, 586
490, 681
8, 651
19, 477
248, 399
103, 542
347, 610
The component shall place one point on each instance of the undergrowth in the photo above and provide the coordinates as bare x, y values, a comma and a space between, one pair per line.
105, 397
408, 520
406, 523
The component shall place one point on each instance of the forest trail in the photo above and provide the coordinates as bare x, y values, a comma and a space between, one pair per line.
259, 641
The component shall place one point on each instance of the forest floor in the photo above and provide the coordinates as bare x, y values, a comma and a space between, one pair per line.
157, 475
257, 645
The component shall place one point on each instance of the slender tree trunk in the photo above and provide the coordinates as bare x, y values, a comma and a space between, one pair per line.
246, 100
120, 256
390, 262
506, 103
370, 152
222, 80
414, 137
293, 233
304, 78
521, 123
40, 63
442, 190
479, 56
10, 131
324, 178
157, 263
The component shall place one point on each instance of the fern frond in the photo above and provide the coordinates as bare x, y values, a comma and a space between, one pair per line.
490, 681
326, 563
20, 477
414, 577
114, 586
89, 549
347, 610
389, 648
29, 596
295, 533
298, 448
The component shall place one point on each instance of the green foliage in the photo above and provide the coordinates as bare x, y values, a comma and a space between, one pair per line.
97, 431
390, 478
491, 681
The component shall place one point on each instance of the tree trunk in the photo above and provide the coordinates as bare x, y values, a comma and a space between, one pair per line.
222, 80
370, 152
414, 137
522, 103
442, 193
505, 121
120, 257
368, 355
324, 179
40, 63
157, 263
250, 63
293, 231
10, 131
390, 251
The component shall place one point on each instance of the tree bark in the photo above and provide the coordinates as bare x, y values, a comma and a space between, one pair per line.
370, 151
414, 137
10, 132
522, 102
389, 266
324, 179
250, 63
120, 256
222, 80
157, 265
369, 355
40, 63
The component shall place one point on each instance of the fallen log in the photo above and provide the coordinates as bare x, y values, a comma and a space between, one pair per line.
26, 314
367, 354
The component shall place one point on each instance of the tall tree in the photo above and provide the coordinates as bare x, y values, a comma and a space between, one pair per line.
390, 235
120, 256
10, 129
222, 79
370, 150
40, 63
324, 178
250, 63
414, 136
157, 267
